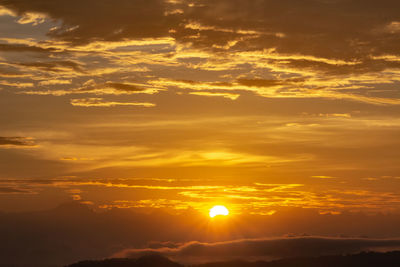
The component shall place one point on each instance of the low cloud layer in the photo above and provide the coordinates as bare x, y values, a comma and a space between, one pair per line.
265, 249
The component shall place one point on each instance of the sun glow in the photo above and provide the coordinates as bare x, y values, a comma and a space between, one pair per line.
218, 210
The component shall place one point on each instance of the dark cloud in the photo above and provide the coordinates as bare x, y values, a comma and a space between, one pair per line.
124, 87
259, 82
24, 48
266, 249
349, 30
54, 66
10, 190
85, 21
351, 27
16, 141
10, 72
330, 68
299, 26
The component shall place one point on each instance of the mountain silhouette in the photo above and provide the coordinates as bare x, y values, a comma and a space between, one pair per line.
365, 259
154, 260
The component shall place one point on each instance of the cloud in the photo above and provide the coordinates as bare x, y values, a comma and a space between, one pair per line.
6, 12
322, 177
284, 88
276, 49
10, 190
98, 102
264, 249
91, 87
32, 18
301, 53
11, 73
309, 33
16, 142
113, 88
16, 84
124, 87
393, 27
54, 82
53, 66
287, 26
24, 48
83, 22
259, 82
214, 94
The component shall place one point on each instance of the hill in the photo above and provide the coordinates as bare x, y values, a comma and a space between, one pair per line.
365, 259
145, 261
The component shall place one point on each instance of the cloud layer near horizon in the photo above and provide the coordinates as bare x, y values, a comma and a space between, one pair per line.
264, 249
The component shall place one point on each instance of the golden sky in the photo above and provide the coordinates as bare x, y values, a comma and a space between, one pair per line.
176, 104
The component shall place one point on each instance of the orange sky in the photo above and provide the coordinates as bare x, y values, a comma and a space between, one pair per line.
177, 104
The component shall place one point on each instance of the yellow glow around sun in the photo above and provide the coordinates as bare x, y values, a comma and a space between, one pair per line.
218, 210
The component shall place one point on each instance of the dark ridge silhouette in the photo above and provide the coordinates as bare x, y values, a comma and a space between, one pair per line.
365, 259
145, 261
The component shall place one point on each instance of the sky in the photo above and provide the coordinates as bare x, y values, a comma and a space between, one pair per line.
265, 107
141, 115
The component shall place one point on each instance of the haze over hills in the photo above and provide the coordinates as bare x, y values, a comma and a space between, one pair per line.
370, 259
74, 232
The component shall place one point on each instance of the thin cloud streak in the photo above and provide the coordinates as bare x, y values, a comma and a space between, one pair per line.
98, 102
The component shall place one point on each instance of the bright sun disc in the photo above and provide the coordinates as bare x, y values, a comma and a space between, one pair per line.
218, 210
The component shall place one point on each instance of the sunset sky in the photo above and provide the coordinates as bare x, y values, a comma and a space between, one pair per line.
123, 122
261, 106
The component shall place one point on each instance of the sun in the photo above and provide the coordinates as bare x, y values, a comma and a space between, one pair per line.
218, 210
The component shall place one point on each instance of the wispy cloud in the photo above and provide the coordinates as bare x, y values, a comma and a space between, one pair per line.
17, 142
99, 102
